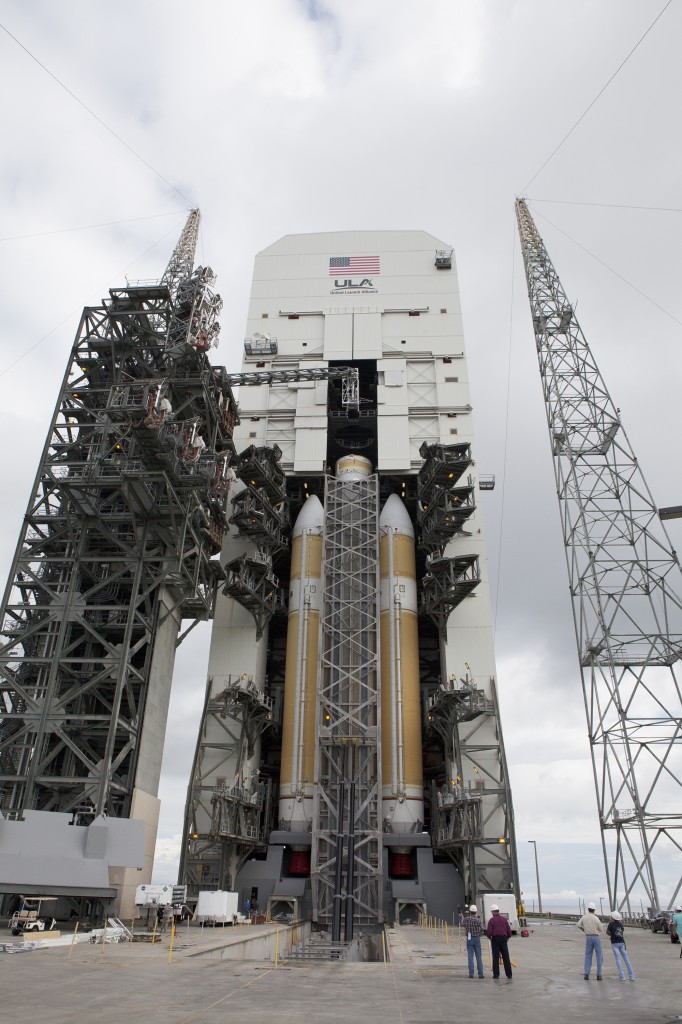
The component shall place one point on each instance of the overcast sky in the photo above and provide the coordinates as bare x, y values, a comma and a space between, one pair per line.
286, 116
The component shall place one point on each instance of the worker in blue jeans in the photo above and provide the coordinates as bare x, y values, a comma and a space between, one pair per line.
615, 930
473, 927
590, 924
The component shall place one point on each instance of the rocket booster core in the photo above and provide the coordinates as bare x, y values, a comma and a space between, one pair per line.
401, 767
305, 603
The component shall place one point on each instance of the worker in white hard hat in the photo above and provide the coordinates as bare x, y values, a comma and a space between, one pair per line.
473, 928
499, 933
593, 928
615, 930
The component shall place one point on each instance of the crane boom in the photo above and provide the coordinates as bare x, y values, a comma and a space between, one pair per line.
623, 575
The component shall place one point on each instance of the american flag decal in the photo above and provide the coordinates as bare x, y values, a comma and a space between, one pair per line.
354, 265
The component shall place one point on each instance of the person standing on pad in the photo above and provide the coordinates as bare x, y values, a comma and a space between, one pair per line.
615, 930
499, 932
592, 926
473, 926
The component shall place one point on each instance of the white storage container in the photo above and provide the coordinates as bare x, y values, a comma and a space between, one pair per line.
219, 906
505, 901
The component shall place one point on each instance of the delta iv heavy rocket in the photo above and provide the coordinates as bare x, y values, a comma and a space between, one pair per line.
350, 766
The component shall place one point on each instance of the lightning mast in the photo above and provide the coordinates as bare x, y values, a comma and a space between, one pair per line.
181, 263
627, 616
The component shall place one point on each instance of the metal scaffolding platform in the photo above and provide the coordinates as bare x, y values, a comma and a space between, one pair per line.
259, 511
457, 821
256, 518
251, 581
260, 467
446, 583
443, 466
456, 701
239, 807
466, 719
444, 515
237, 813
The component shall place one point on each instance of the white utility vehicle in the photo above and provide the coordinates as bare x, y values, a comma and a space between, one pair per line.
28, 918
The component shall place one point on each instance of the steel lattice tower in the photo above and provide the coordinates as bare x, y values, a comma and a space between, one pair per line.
627, 616
118, 546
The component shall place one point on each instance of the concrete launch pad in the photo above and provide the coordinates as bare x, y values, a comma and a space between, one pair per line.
425, 982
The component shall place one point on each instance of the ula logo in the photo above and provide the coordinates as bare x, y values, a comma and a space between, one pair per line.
365, 283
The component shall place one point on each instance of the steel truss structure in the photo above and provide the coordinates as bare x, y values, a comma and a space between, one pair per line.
251, 581
465, 820
212, 853
445, 585
443, 508
181, 263
349, 375
127, 510
221, 827
238, 807
347, 801
627, 615
474, 826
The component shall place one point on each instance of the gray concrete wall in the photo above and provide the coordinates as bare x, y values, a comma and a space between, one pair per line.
260, 945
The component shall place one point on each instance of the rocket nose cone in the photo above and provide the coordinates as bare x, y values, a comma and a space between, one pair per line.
310, 517
395, 515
